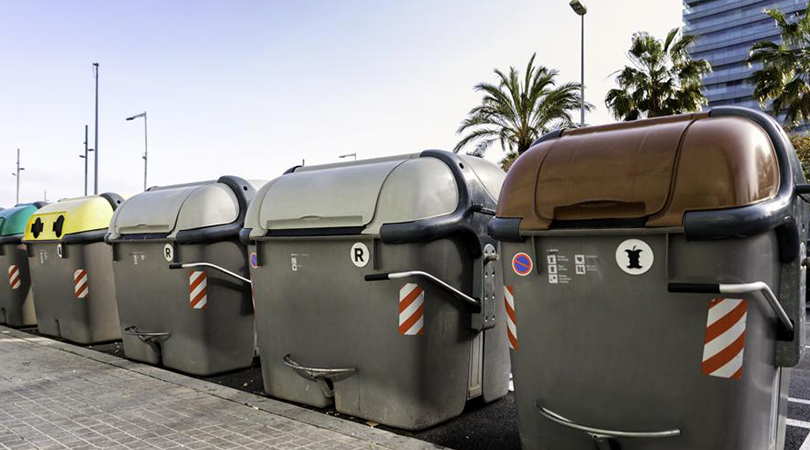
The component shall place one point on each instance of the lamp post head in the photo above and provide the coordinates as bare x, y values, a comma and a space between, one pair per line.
136, 116
578, 7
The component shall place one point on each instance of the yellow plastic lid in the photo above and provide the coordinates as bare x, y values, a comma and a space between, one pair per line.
69, 216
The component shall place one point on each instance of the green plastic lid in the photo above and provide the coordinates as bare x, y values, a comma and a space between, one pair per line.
13, 220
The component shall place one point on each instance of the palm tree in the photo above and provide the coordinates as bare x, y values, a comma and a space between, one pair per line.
515, 112
661, 81
784, 74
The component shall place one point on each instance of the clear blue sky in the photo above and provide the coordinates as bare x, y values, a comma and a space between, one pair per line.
251, 88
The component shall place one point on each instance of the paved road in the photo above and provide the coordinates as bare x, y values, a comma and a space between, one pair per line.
798, 430
56, 396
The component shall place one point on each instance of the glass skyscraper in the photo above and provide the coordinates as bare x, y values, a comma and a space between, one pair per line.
726, 30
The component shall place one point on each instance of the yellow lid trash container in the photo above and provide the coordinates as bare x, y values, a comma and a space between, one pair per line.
71, 269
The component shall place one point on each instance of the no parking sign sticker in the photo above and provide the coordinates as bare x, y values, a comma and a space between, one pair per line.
522, 264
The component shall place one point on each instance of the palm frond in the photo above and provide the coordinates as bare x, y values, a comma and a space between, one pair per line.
661, 79
517, 108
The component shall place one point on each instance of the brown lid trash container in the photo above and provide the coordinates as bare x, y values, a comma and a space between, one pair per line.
726, 172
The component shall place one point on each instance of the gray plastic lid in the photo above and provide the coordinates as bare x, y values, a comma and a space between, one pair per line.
361, 196
168, 209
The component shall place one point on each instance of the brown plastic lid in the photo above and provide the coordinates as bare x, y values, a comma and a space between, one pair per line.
653, 170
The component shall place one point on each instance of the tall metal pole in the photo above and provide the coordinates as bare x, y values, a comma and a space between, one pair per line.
582, 106
85, 160
18, 177
145, 150
95, 145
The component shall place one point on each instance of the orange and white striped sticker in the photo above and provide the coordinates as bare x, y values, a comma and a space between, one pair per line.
198, 289
411, 310
14, 279
511, 322
80, 286
725, 338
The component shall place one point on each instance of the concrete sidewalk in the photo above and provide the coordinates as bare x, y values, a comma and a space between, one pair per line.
56, 395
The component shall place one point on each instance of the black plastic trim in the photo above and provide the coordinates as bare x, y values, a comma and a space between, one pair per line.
39, 204
334, 231
244, 235
136, 237
291, 170
505, 229
244, 194
777, 213
548, 136
637, 222
376, 276
114, 199
694, 288
462, 222
86, 237
12, 239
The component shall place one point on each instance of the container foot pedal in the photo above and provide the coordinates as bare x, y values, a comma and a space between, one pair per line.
324, 377
605, 439
145, 336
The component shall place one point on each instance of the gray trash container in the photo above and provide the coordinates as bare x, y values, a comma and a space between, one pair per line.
16, 301
71, 269
410, 349
196, 319
654, 271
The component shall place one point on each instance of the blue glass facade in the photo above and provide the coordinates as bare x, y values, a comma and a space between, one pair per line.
726, 30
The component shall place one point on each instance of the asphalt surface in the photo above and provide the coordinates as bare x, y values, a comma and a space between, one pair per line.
798, 429
494, 425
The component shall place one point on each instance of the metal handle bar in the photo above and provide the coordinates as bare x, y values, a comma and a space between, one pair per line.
315, 372
320, 375
601, 434
145, 335
211, 266
742, 288
418, 273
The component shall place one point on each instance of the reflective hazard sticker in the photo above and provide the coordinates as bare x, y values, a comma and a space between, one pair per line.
724, 343
522, 264
14, 280
80, 286
197, 289
411, 310
511, 322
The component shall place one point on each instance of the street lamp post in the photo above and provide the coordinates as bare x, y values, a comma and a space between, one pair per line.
581, 10
95, 145
17, 175
86, 151
145, 145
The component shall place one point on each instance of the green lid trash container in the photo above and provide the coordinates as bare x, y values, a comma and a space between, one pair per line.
71, 269
375, 287
16, 301
195, 318
654, 273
